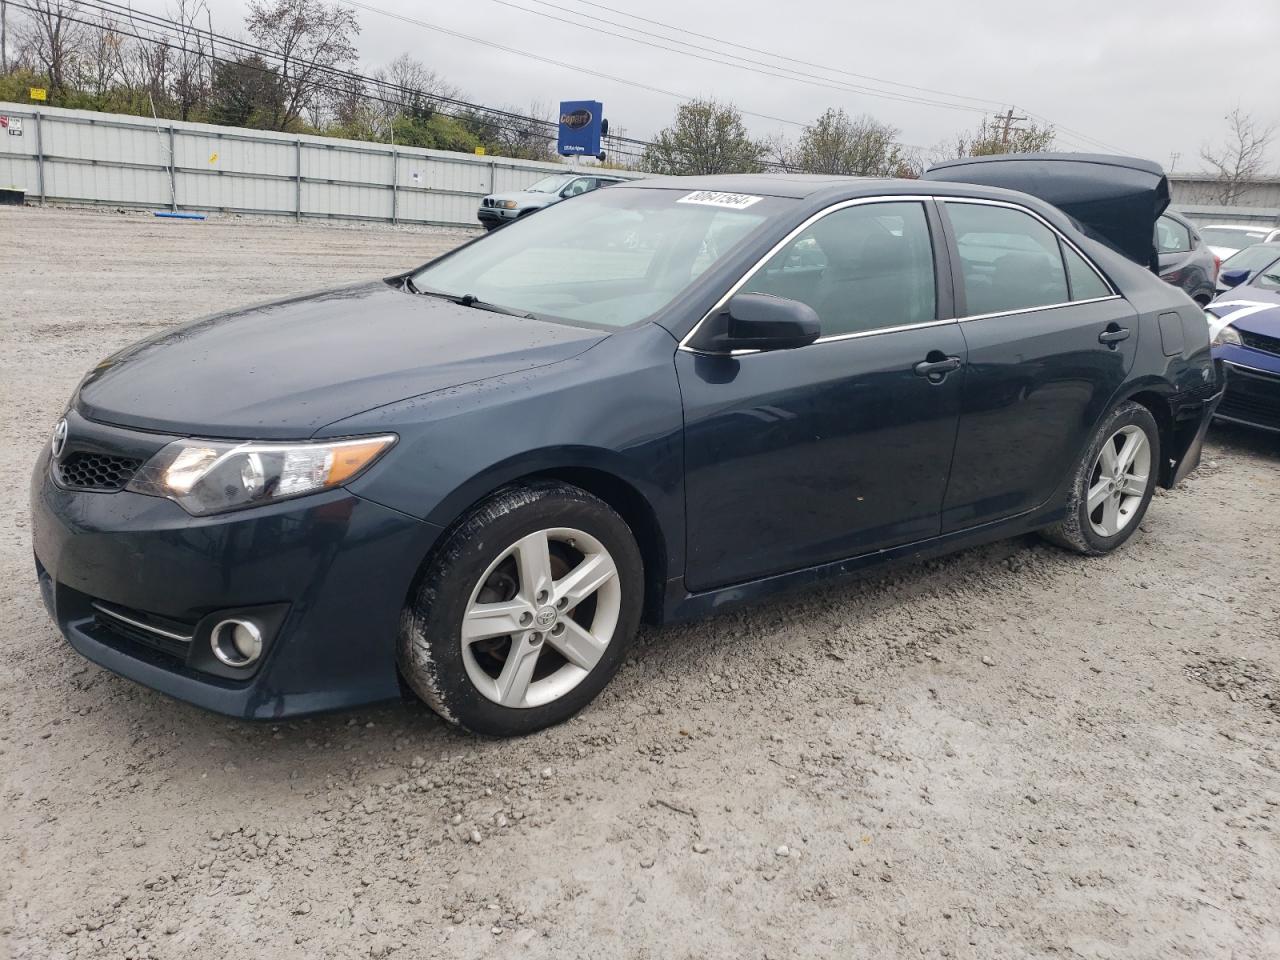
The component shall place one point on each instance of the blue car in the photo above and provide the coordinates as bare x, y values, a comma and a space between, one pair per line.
1245, 326
662, 398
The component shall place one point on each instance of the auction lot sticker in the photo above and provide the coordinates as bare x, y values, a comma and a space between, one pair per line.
711, 198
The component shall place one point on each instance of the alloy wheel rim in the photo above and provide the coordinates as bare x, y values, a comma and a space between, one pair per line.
1118, 481
540, 617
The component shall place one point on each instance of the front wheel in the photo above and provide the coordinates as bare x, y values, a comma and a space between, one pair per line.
1112, 484
526, 611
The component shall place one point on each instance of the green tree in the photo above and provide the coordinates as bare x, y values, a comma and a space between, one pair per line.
706, 137
837, 144
996, 135
246, 93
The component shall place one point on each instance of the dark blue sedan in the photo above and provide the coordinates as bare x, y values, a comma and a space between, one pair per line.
1245, 326
650, 401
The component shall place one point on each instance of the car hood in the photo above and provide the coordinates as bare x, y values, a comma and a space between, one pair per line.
1246, 308
283, 370
1223, 252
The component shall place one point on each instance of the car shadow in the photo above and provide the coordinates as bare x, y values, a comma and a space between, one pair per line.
1236, 438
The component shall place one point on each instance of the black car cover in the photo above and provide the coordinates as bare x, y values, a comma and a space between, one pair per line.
1116, 199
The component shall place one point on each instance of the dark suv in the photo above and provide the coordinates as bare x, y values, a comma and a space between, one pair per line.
1185, 259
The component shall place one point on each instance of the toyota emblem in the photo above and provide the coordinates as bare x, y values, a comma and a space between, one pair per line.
59, 441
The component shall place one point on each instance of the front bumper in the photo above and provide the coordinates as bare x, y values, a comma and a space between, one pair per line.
1253, 392
327, 575
495, 216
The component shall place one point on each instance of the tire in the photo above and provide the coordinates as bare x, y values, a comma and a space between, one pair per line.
523, 559
1123, 501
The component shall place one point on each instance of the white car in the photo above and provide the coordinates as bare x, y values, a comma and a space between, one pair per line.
1224, 239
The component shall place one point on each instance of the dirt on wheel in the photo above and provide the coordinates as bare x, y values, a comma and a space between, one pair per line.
1010, 752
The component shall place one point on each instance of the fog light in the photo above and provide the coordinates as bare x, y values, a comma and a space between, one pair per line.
237, 643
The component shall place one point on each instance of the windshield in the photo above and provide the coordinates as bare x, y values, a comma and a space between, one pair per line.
1253, 258
609, 258
1236, 237
551, 184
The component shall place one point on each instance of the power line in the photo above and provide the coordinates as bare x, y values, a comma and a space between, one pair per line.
1072, 133
752, 66
768, 53
576, 68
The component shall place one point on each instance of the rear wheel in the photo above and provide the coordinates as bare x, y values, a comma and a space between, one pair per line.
1113, 483
526, 612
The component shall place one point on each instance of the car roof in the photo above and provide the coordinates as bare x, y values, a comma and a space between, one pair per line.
795, 185
1265, 227
830, 188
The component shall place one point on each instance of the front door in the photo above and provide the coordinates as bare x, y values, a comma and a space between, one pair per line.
1049, 344
800, 457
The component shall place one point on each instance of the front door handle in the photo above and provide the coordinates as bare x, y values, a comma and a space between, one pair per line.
1113, 335
936, 370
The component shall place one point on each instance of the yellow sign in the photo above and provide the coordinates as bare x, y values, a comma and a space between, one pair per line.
39, 93
479, 151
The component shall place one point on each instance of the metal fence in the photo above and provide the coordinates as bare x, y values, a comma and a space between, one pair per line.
85, 157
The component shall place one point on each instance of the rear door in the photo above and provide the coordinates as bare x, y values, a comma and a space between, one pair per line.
1049, 344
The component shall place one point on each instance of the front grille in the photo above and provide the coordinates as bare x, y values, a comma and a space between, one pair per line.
1252, 398
150, 631
1259, 341
96, 471
488, 201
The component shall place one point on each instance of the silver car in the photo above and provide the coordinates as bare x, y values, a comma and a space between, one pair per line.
1225, 239
499, 208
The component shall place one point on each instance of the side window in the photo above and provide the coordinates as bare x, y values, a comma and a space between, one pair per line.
1009, 259
581, 185
1085, 282
862, 268
1171, 236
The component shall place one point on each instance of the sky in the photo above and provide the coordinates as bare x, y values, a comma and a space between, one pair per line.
1154, 80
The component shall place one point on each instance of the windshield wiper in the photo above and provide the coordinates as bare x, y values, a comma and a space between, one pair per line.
471, 300
468, 300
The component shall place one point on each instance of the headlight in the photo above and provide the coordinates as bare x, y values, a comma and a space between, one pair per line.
1228, 334
210, 476
507, 204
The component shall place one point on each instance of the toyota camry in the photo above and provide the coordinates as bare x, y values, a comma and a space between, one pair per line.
473, 480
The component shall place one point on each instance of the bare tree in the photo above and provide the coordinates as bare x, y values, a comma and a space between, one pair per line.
412, 82
100, 56
706, 137
51, 31
143, 69
308, 39
188, 70
1240, 159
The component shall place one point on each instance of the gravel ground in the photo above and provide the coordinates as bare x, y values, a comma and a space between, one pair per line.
1010, 752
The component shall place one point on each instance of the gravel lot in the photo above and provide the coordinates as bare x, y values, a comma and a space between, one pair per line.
1011, 752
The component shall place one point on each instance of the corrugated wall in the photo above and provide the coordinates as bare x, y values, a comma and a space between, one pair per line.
86, 157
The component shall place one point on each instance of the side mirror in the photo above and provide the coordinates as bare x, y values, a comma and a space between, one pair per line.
1233, 278
758, 321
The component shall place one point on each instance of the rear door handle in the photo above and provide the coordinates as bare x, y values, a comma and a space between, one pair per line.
1113, 335
936, 370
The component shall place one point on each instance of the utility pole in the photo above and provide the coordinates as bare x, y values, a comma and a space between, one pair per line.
4, 48
1006, 122
1173, 161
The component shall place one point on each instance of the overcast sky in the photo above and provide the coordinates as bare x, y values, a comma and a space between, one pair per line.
1150, 79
